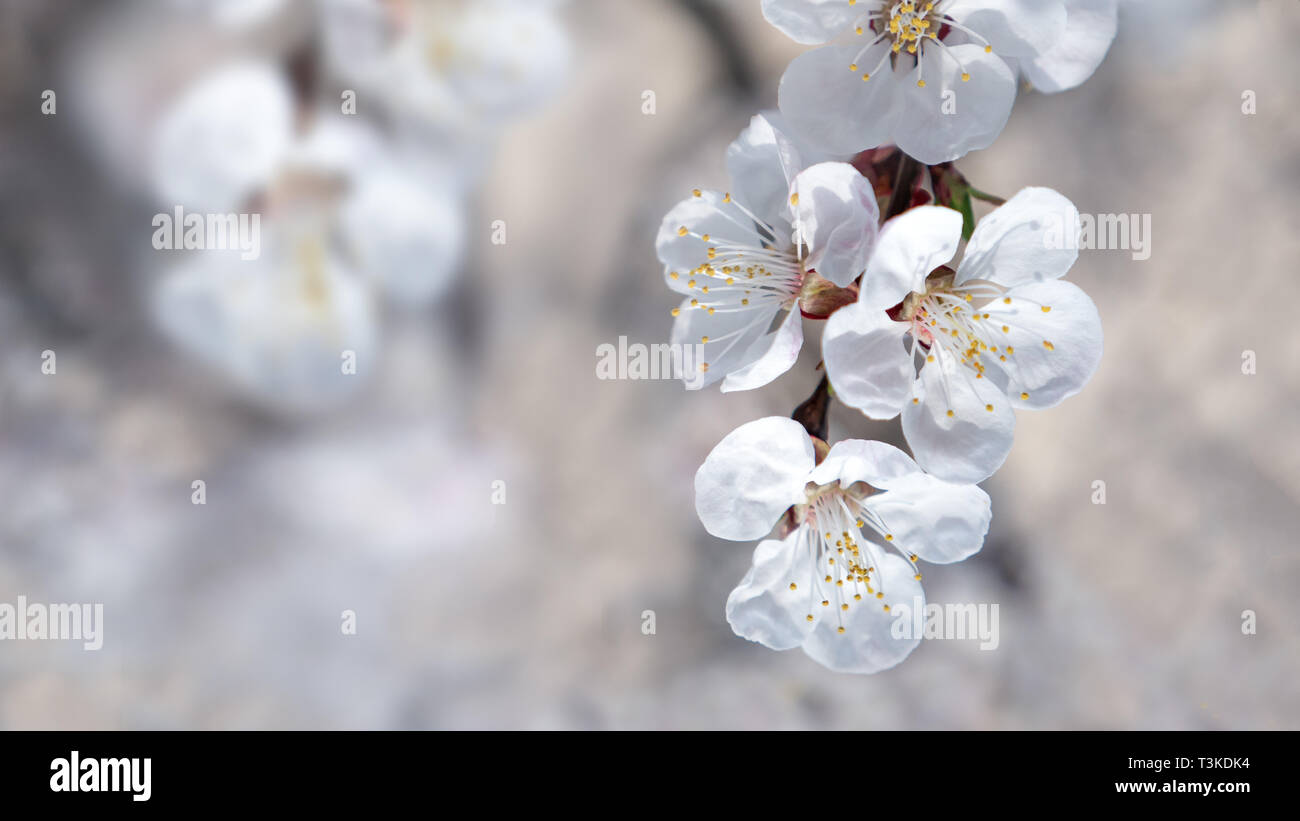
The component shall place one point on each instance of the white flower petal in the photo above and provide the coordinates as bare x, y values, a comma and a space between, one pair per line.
769, 356
830, 106
972, 443
910, 246
224, 137
731, 333
863, 460
941, 522
763, 608
867, 360
705, 215
1034, 375
810, 22
950, 117
1090, 27
868, 644
1015, 28
1031, 238
762, 161
838, 219
752, 477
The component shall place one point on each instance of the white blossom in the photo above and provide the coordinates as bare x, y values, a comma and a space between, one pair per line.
957, 351
864, 517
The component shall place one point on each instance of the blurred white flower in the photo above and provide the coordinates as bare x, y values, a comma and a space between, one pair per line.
223, 138
407, 236
1003, 331
932, 77
399, 214
743, 259
864, 516
281, 328
463, 67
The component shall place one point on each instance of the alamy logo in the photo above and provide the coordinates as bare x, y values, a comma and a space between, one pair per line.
655, 361
1101, 232
208, 232
59, 622
947, 621
75, 774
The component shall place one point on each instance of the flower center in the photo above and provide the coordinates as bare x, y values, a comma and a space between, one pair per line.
909, 27
844, 563
953, 320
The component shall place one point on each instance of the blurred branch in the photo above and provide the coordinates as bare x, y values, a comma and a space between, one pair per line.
729, 46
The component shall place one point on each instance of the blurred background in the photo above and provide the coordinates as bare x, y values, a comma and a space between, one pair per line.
479, 223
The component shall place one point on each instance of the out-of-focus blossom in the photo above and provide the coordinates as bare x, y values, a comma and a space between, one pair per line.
224, 137
281, 328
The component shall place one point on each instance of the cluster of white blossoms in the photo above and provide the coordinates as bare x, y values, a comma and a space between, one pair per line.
359, 173
947, 322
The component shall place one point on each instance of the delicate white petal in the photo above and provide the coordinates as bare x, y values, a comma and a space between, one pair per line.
762, 162
763, 608
1090, 27
1015, 28
223, 138
705, 215
864, 460
941, 522
972, 443
950, 117
838, 218
1031, 238
810, 22
1034, 376
752, 477
868, 643
867, 360
731, 335
769, 356
910, 246
830, 106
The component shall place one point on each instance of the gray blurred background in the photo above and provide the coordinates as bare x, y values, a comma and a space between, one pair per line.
528, 614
